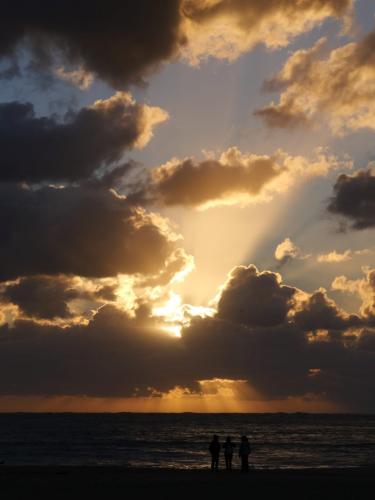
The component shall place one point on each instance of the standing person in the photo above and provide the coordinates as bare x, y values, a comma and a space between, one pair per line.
228, 453
215, 452
244, 453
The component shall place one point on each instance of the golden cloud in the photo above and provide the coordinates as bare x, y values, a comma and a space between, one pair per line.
339, 83
226, 30
234, 178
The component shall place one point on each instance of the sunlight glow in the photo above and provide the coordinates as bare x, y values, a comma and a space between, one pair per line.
176, 315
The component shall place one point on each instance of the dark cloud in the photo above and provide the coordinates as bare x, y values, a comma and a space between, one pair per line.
11, 70
318, 312
109, 357
78, 230
114, 178
191, 183
35, 149
255, 299
41, 296
121, 42
234, 178
354, 199
367, 340
48, 297
282, 117
116, 353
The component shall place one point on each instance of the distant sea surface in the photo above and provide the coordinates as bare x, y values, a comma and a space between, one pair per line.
181, 440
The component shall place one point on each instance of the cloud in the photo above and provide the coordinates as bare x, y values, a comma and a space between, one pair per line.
353, 199
335, 257
255, 299
364, 288
79, 77
339, 83
121, 355
252, 298
41, 296
105, 357
228, 29
318, 312
234, 178
287, 251
57, 298
35, 149
123, 42
84, 231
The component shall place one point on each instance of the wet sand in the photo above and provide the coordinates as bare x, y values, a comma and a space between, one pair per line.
23, 482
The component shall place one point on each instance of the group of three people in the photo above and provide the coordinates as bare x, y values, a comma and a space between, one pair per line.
228, 447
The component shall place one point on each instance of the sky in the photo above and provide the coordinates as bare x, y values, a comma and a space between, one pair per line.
187, 206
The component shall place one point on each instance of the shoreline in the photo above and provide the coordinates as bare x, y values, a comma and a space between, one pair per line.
49, 481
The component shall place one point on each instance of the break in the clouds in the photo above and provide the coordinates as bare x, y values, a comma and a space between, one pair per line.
86, 231
233, 178
307, 346
364, 288
124, 41
339, 83
35, 149
354, 199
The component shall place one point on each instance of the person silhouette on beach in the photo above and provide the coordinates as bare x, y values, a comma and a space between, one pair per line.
215, 452
228, 453
244, 452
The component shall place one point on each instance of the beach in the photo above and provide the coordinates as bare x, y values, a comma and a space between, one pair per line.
20, 482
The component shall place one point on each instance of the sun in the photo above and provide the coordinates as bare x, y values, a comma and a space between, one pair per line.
176, 315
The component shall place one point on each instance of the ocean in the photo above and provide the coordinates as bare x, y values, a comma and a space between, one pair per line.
181, 440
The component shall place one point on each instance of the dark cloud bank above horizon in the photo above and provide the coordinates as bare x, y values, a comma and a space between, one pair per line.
284, 342
53, 237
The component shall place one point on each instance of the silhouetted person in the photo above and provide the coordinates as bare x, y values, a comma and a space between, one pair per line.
244, 452
215, 452
228, 447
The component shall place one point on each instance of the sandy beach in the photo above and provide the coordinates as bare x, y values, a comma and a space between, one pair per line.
19, 482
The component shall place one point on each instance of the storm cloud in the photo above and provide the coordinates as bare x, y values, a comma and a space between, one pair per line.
354, 199
255, 299
122, 42
50, 297
84, 231
120, 355
35, 149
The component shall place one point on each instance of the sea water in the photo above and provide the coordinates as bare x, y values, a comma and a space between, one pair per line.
181, 440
